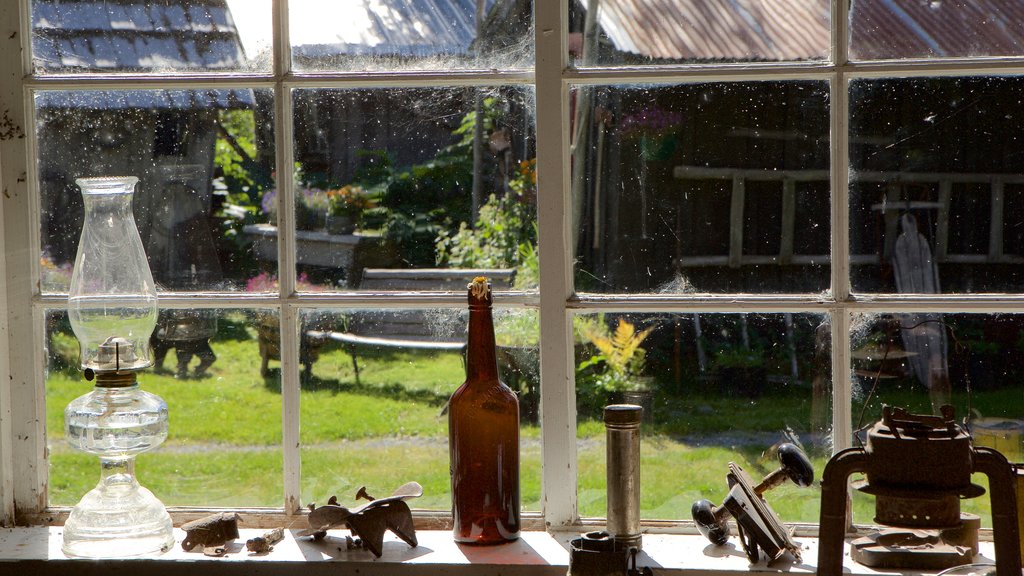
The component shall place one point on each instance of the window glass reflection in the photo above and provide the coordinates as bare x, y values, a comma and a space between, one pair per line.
935, 186
224, 443
714, 388
701, 188
922, 361
405, 190
328, 35
146, 36
887, 29
202, 158
374, 388
629, 32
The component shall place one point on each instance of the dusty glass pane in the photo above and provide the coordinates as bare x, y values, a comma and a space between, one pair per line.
146, 36
935, 186
202, 158
715, 388
328, 35
701, 188
224, 443
630, 32
401, 189
886, 29
374, 390
922, 361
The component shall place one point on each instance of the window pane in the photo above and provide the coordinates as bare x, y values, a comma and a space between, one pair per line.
922, 361
883, 29
146, 36
629, 32
374, 388
702, 188
202, 158
389, 179
715, 388
224, 443
936, 195
390, 35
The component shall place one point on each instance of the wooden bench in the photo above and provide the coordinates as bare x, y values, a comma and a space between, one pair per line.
410, 329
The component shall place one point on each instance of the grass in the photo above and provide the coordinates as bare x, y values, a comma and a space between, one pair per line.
224, 447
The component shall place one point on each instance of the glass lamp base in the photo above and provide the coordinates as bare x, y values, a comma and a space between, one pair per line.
117, 520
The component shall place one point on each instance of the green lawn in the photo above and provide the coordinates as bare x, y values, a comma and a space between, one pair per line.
225, 435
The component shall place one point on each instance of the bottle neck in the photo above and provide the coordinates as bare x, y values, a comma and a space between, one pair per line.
481, 359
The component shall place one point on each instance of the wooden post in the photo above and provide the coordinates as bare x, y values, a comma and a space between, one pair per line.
788, 221
736, 222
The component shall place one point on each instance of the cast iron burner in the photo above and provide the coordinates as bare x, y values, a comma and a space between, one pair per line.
918, 467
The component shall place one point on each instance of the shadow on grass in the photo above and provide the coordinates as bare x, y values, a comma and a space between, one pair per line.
391, 391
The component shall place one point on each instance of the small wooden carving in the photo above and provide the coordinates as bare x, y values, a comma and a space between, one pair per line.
212, 533
369, 521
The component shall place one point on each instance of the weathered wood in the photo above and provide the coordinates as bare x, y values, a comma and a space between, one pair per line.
995, 231
942, 226
736, 222
432, 279
788, 221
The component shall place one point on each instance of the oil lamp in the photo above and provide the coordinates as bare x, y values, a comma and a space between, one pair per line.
112, 308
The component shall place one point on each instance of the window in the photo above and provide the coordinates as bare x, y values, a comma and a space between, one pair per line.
759, 235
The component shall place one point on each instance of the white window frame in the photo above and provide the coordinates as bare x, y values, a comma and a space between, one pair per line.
23, 454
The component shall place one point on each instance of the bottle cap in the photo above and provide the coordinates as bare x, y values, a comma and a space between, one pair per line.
623, 414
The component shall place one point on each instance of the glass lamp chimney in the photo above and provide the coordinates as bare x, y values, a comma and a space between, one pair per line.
112, 299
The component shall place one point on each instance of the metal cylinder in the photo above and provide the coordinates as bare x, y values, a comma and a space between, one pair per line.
622, 425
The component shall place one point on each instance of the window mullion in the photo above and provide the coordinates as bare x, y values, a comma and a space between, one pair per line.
839, 110
289, 319
282, 39
558, 419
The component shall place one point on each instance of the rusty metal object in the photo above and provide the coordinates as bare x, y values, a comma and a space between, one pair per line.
601, 554
265, 543
212, 533
369, 521
918, 467
925, 549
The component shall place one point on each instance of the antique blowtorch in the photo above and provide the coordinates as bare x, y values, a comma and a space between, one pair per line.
918, 468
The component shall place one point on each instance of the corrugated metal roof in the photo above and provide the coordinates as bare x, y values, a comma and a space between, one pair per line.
882, 29
144, 99
718, 29
407, 28
800, 29
134, 35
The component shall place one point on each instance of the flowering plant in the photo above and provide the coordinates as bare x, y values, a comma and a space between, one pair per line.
524, 180
267, 282
55, 278
315, 199
348, 200
309, 199
654, 129
649, 122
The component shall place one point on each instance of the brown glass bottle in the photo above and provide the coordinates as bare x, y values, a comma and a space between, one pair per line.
483, 436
